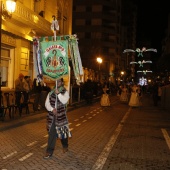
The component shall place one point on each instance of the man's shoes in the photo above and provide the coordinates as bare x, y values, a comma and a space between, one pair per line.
47, 156
65, 150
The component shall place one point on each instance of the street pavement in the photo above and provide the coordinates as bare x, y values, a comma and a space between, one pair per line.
107, 138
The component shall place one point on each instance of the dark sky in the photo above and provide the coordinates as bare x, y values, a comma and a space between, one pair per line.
152, 21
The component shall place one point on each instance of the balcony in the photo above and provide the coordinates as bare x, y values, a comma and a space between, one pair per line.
28, 20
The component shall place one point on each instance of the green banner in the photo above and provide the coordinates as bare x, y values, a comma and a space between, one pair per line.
54, 58
75, 58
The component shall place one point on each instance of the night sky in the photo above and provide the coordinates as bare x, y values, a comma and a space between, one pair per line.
152, 21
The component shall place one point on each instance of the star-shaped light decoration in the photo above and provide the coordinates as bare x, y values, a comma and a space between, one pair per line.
141, 62
144, 71
139, 51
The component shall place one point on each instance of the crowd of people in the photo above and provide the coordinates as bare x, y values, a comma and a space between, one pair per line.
130, 94
25, 87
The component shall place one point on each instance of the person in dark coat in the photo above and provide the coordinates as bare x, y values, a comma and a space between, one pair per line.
88, 90
37, 88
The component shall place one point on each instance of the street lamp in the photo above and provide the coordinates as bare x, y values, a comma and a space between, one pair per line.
99, 60
5, 13
122, 74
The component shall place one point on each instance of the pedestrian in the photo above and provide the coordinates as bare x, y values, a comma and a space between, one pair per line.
139, 91
119, 90
124, 94
159, 92
105, 101
19, 88
88, 89
40, 91
57, 122
27, 87
19, 83
134, 98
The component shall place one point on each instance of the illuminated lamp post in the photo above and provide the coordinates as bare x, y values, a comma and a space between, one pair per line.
99, 60
5, 13
122, 75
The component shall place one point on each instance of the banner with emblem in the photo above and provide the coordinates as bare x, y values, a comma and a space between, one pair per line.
54, 58
51, 57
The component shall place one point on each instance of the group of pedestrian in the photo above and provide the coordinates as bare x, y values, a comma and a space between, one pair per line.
40, 91
133, 94
130, 94
25, 87
22, 84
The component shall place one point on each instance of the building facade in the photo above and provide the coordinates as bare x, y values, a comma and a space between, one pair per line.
105, 28
97, 25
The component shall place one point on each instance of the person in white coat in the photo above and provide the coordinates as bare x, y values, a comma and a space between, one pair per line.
57, 122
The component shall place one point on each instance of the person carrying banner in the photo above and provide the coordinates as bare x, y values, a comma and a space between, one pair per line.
57, 122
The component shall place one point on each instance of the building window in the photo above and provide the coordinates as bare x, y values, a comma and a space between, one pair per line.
87, 35
88, 9
79, 8
81, 35
96, 35
39, 7
80, 22
97, 8
5, 58
88, 22
96, 22
105, 50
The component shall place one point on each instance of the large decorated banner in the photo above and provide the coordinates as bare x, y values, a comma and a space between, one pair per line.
54, 58
51, 57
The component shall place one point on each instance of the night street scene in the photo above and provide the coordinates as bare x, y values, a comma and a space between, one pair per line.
84, 85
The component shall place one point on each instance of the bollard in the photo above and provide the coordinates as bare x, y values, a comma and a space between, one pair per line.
79, 95
71, 101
